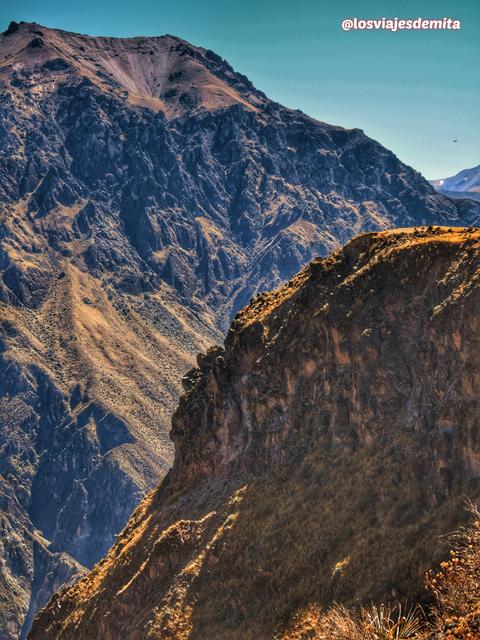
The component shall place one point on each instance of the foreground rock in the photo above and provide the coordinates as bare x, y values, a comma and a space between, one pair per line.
320, 456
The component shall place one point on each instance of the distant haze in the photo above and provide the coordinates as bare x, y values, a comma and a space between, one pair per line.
415, 92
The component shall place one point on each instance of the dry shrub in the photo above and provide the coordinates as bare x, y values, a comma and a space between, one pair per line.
456, 586
339, 624
383, 622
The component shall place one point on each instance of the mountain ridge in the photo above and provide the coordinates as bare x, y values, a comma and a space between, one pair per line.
93, 58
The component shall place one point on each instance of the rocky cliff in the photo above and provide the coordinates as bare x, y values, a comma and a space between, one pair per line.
147, 191
320, 455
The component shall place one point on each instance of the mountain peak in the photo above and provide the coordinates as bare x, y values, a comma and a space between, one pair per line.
164, 73
464, 184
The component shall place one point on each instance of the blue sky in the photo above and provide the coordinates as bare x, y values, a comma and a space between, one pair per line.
415, 92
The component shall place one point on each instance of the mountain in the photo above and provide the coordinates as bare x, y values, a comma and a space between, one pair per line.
321, 455
147, 192
465, 184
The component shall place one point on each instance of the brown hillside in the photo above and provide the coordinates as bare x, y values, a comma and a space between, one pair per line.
320, 456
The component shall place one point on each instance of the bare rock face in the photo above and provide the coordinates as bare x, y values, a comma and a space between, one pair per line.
320, 456
147, 191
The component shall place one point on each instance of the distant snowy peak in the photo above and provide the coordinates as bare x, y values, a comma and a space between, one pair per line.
465, 184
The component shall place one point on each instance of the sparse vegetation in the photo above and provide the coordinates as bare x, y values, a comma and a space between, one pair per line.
455, 612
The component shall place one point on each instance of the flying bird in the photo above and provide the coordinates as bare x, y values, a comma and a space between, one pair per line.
455, 140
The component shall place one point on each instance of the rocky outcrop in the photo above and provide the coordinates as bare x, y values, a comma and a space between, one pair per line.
320, 455
147, 191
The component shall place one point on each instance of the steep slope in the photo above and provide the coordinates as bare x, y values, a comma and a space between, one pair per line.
321, 455
465, 184
146, 192
86, 387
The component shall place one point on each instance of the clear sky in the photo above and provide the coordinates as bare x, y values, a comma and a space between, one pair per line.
415, 92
